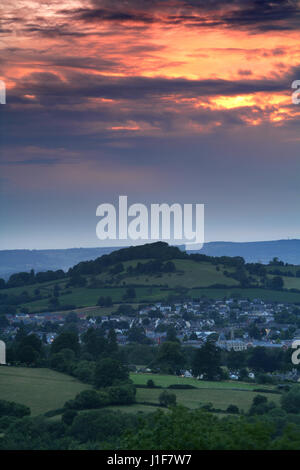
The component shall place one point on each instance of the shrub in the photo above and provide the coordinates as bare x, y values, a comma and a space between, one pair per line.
182, 386
233, 409
260, 405
207, 407
122, 395
108, 372
265, 379
167, 399
10, 408
88, 399
68, 417
290, 401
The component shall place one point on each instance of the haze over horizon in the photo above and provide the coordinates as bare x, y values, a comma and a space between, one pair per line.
120, 247
164, 101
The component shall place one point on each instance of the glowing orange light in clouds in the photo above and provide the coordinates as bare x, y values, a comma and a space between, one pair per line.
119, 49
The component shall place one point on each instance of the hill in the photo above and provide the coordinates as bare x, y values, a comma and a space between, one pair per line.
257, 252
147, 274
14, 261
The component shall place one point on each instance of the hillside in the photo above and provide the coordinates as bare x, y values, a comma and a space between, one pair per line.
14, 261
146, 274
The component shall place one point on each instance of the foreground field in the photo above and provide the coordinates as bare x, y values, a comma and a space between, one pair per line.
164, 380
40, 389
220, 394
219, 398
44, 390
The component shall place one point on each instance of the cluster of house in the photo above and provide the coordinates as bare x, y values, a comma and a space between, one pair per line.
230, 321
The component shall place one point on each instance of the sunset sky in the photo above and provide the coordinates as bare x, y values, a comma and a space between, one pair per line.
164, 101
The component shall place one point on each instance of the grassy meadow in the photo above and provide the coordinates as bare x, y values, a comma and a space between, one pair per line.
40, 389
44, 390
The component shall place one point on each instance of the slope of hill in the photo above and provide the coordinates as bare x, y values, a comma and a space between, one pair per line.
147, 274
13, 261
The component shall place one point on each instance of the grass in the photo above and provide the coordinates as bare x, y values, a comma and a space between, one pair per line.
196, 276
291, 282
220, 394
44, 390
83, 297
40, 389
136, 408
220, 398
189, 274
166, 380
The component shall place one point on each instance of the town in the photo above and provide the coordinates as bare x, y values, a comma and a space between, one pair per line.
235, 324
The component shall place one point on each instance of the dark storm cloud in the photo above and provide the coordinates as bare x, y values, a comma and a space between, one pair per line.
78, 87
266, 15
260, 15
49, 32
50, 116
108, 15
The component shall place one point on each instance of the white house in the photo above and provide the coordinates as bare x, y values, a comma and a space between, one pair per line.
2, 353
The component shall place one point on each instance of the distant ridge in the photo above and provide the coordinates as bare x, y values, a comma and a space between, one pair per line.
13, 261
253, 252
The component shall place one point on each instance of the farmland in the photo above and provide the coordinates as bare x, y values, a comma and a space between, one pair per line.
44, 390
196, 279
40, 389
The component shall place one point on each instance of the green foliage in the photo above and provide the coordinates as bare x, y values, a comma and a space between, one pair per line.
88, 399
197, 430
94, 342
170, 357
150, 383
66, 340
122, 394
233, 409
207, 361
260, 405
68, 417
108, 372
84, 371
290, 401
102, 425
167, 399
10, 408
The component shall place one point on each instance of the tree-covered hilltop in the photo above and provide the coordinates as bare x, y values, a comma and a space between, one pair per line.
14, 261
153, 251
148, 273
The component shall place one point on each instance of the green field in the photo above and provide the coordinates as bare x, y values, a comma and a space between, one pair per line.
220, 398
166, 380
83, 297
44, 390
220, 394
196, 277
40, 389
188, 274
